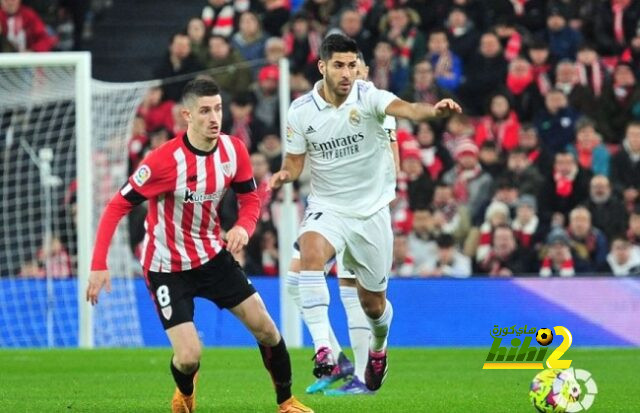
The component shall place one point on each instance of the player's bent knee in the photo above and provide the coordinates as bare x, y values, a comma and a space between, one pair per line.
373, 307
267, 334
188, 357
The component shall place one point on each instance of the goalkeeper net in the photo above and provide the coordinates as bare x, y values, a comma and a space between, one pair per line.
39, 302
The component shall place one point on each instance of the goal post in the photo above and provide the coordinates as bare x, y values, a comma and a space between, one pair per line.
63, 154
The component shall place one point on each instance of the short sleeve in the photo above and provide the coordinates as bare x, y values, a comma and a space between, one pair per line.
376, 99
296, 142
389, 125
152, 177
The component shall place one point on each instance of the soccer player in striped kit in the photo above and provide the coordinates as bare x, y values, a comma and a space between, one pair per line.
184, 255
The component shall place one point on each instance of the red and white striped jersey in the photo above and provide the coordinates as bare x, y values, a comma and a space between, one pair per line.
184, 187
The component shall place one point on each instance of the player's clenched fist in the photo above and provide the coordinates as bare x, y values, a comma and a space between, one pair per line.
237, 238
279, 178
97, 280
446, 107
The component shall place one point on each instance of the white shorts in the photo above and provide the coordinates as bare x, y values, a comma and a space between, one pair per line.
366, 243
342, 273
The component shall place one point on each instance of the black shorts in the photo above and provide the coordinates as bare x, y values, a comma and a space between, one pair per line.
220, 280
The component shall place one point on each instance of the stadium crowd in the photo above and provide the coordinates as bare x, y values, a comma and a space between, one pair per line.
540, 175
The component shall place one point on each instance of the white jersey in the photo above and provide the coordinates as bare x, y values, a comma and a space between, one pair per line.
352, 168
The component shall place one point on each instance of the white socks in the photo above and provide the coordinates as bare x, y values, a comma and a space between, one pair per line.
314, 299
380, 329
359, 330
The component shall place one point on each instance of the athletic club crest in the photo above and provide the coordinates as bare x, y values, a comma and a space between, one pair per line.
166, 312
226, 169
354, 117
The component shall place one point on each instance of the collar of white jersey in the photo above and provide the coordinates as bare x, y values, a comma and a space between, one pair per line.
322, 104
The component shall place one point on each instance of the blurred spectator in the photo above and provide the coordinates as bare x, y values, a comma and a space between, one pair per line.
421, 239
511, 39
261, 175
625, 165
475, 9
22, 28
589, 150
591, 71
580, 97
563, 40
299, 85
633, 233
632, 54
526, 94
447, 66
266, 95
321, 12
527, 228
541, 63
523, 174
179, 62
275, 16
624, 258
155, 111
249, 40
387, 71
31, 269
487, 73
435, 158
269, 252
219, 17
538, 156
497, 214
464, 36
274, 50
423, 87
505, 258
615, 24
447, 261
351, 24
589, 242
559, 259
399, 28
471, 185
556, 122
179, 121
453, 218
271, 148
229, 69
490, 159
197, 32
302, 43
137, 143
619, 104
500, 125
608, 213
566, 187
158, 137
506, 191
403, 264
414, 180
243, 123
459, 129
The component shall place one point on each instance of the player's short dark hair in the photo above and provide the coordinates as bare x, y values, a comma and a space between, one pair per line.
337, 43
199, 87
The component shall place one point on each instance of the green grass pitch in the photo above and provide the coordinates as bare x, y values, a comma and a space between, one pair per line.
233, 380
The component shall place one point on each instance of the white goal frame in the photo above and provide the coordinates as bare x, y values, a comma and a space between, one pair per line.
81, 61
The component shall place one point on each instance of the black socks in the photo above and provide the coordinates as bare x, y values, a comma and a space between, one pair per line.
183, 381
276, 361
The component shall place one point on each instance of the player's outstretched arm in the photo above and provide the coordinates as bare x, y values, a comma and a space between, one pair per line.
291, 169
420, 111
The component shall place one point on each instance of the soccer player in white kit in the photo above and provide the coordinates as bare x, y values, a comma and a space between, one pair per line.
352, 183
359, 331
